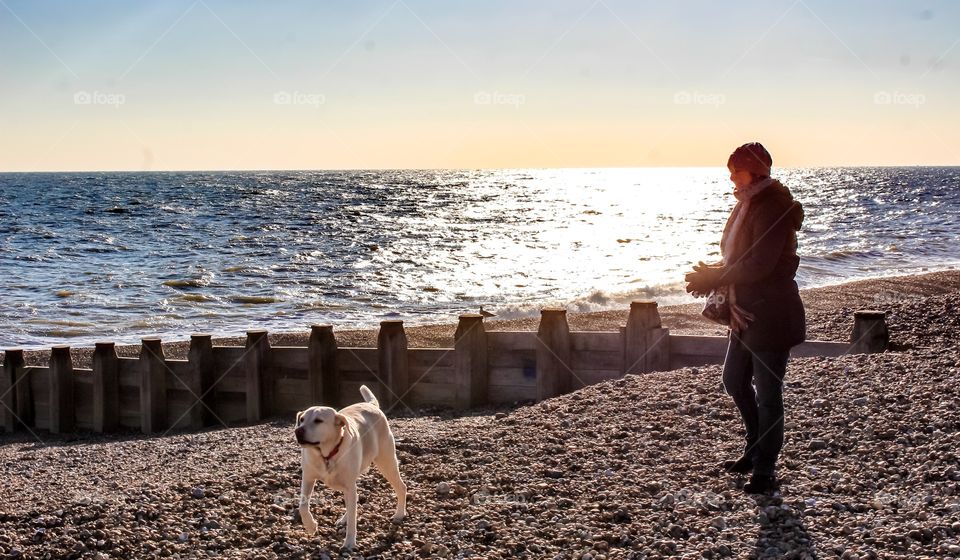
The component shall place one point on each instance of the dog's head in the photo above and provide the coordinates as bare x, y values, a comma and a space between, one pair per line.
318, 424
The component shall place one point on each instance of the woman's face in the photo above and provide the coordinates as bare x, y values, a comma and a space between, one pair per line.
740, 178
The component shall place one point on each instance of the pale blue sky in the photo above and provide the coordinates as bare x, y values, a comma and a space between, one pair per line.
404, 83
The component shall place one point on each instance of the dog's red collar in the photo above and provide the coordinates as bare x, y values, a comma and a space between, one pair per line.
326, 458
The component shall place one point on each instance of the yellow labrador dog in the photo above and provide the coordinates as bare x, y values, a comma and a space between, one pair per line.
338, 447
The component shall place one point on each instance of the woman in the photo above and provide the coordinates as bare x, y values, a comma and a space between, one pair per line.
766, 317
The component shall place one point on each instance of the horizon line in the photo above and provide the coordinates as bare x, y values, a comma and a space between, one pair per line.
301, 169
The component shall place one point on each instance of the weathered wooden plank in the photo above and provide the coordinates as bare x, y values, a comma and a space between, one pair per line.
128, 372
179, 373
83, 398
128, 407
433, 394
229, 373
431, 357
433, 375
658, 349
230, 407
295, 358
513, 376
594, 359
497, 358
358, 376
820, 348
692, 345
293, 395
505, 394
600, 341
179, 404
512, 340
357, 359
350, 392
234, 382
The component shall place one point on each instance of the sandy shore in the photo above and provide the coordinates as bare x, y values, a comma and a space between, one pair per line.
829, 317
622, 469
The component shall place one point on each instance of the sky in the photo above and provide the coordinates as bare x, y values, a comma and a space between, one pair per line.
216, 84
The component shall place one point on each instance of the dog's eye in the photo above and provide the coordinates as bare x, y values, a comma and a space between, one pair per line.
318, 421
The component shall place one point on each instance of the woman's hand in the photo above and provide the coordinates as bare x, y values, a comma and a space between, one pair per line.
704, 278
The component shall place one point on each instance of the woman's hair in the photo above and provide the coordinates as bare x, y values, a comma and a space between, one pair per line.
752, 157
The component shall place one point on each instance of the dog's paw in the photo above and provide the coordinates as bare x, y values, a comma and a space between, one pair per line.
348, 546
342, 522
310, 526
398, 518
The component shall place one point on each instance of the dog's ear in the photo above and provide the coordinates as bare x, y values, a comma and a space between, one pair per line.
340, 420
299, 416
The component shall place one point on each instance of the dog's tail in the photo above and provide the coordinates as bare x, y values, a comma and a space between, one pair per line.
369, 396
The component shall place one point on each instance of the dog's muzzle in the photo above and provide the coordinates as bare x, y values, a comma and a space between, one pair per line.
300, 439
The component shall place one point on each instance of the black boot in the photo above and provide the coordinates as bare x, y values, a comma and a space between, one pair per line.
761, 484
743, 465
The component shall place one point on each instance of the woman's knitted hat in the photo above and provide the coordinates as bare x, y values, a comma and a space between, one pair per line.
752, 157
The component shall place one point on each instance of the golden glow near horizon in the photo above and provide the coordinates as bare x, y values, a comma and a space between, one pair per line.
215, 85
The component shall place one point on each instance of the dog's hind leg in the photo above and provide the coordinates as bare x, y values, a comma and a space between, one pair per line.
388, 467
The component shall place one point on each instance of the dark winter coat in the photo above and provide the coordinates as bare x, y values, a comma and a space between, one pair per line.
762, 265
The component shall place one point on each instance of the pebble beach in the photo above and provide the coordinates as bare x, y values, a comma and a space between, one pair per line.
627, 468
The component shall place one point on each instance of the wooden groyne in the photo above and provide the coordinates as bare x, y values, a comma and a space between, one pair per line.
234, 384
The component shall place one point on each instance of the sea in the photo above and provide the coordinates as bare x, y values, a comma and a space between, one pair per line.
122, 255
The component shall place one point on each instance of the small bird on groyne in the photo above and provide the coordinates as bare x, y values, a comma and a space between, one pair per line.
486, 313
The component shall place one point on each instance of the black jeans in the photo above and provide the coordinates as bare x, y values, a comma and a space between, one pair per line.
755, 381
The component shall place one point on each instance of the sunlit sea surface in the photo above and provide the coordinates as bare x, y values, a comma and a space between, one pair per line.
118, 256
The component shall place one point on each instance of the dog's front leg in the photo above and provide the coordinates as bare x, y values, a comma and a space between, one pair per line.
350, 497
306, 490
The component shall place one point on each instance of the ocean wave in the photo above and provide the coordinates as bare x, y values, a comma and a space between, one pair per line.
254, 300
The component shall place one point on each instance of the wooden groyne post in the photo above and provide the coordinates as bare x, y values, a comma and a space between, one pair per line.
646, 344
393, 362
322, 366
200, 380
470, 365
259, 389
12, 366
870, 333
106, 388
62, 405
554, 372
153, 386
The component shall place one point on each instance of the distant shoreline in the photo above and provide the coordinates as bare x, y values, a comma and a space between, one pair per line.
823, 305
